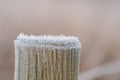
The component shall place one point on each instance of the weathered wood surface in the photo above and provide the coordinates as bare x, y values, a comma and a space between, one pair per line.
46, 64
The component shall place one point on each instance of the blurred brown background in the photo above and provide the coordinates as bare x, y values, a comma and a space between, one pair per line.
95, 22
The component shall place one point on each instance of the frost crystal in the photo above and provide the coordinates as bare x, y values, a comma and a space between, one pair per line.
60, 41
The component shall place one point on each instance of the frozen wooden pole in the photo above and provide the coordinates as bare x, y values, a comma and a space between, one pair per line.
46, 57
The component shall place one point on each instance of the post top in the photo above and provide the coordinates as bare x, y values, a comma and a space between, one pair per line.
60, 41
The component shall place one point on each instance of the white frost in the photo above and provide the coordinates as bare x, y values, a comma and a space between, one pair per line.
60, 41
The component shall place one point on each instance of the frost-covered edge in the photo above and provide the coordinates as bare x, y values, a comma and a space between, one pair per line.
47, 41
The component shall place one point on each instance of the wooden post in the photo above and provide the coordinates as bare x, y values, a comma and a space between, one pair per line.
46, 57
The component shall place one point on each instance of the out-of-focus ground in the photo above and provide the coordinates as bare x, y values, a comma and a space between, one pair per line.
95, 22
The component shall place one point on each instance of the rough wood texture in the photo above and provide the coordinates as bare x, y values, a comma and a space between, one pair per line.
45, 63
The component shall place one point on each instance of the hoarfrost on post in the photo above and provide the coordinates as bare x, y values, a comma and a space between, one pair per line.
60, 41
46, 57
